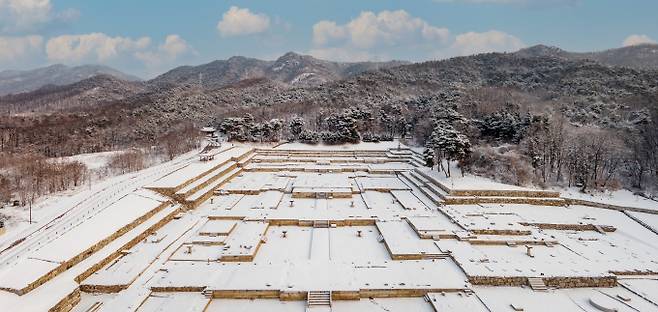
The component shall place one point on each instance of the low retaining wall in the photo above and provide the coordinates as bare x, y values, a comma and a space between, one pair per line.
506, 193
573, 201
571, 227
501, 232
537, 201
557, 281
335, 295
67, 303
307, 223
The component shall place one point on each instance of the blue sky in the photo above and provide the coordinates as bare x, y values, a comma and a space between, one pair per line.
148, 37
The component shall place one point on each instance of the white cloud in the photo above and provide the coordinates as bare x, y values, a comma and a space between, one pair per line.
173, 47
16, 48
26, 15
637, 39
237, 22
325, 31
490, 41
387, 28
401, 36
92, 47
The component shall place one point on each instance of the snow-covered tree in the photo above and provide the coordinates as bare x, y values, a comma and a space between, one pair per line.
428, 156
296, 126
449, 144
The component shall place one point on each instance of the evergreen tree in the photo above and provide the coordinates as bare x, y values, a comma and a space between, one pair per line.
296, 126
449, 144
428, 156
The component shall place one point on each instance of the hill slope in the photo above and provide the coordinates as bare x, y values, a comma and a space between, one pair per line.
643, 56
59, 75
291, 68
87, 94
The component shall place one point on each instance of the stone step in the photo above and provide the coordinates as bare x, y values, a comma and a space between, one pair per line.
437, 256
412, 179
419, 177
318, 298
537, 283
321, 224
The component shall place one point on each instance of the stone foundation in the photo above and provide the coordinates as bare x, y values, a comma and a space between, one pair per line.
557, 282
571, 227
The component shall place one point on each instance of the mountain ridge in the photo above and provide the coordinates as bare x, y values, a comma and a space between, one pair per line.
291, 68
21, 81
641, 56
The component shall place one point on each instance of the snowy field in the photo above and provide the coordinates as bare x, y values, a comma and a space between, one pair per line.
315, 230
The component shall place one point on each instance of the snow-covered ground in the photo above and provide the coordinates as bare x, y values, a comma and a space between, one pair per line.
93, 161
623, 198
363, 146
306, 224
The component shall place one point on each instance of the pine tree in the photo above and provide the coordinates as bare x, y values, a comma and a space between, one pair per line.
428, 156
449, 144
296, 126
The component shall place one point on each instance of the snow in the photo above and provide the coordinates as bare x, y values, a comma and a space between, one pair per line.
245, 239
183, 302
650, 220
75, 241
456, 302
400, 239
501, 299
252, 235
217, 227
241, 305
362, 146
129, 266
408, 200
93, 161
381, 184
468, 181
196, 168
623, 198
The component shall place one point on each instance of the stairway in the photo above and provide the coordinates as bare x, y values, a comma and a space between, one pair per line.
321, 223
537, 283
318, 298
437, 256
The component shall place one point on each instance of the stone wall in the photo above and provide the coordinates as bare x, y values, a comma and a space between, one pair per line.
571, 227
538, 201
554, 281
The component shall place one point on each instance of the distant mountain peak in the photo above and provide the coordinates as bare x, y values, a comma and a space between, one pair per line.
19, 81
291, 68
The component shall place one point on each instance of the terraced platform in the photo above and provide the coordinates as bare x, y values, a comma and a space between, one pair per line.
292, 229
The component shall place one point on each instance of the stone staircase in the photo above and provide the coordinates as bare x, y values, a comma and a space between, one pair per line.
434, 193
537, 283
318, 298
433, 188
437, 256
321, 224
